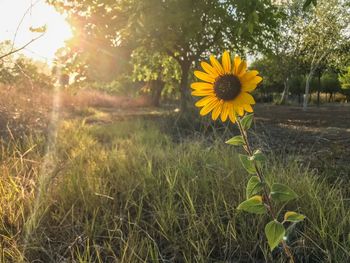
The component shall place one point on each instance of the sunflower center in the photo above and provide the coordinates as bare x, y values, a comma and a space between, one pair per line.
227, 87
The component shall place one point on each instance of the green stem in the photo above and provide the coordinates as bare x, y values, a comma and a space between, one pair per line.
266, 197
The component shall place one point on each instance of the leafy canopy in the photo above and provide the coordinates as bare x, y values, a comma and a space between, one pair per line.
183, 29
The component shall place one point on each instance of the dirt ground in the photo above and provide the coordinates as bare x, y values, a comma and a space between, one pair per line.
320, 135
330, 116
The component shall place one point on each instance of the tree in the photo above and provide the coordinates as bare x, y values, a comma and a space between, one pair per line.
312, 41
6, 75
284, 59
191, 28
273, 77
183, 29
156, 69
344, 80
322, 33
22, 71
330, 84
285, 50
28, 72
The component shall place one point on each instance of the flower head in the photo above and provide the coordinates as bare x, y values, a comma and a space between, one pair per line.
226, 87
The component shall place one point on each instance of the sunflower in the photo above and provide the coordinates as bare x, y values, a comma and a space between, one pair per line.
226, 87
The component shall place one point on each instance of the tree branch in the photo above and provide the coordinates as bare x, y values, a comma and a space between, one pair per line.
21, 48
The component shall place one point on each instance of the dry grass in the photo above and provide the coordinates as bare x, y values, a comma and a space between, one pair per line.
22, 109
92, 98
127, 192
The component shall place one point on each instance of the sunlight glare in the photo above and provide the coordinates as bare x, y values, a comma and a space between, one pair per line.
38, 14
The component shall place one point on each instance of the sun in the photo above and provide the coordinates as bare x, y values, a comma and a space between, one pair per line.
18, 16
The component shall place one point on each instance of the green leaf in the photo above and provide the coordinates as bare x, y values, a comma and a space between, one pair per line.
247, 163
282, 193
250, 26
274, 232
253, 205
247, 121
291, 216
254, 186
41, 29
306, 4
258, 156
237, 140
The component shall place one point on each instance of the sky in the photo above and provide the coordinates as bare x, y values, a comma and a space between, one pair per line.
35, 13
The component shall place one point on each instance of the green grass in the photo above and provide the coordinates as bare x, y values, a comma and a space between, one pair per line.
127, 192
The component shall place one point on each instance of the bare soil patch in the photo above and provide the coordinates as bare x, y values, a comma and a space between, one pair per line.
321, 134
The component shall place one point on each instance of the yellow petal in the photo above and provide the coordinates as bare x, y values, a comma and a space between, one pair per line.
247, 108
232, 115
208, 107
248, 76
248, 87
204, 76
244, 98
237, 61
209, 69
216, 65
247, 98
204, 101
202, 85
225, 111
202, 93
256, 80
216, 111
242, 68
226, 62
239, 110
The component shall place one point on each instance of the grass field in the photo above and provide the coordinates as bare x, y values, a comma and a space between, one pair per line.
131, 191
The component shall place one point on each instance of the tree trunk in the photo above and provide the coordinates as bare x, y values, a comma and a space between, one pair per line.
156, 87
307, 90
318, 88
184, 89
284, 98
